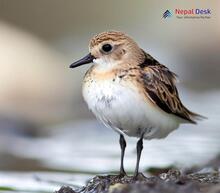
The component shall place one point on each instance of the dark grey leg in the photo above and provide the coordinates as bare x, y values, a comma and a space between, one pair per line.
123, 146
139, 150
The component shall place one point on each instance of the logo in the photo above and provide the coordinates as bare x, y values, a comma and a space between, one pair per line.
167, 14
192, 13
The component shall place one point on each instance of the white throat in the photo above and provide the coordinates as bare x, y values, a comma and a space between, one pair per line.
104, 64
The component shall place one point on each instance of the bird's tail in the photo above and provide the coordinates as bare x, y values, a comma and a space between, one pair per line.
194, 117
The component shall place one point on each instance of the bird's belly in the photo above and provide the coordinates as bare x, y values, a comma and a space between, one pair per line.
124, 110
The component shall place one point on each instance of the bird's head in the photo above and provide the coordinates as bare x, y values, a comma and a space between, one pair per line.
109, 49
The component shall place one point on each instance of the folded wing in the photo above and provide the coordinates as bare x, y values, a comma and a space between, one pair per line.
159, 83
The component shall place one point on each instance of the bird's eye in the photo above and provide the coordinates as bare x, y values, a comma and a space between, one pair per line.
106, 48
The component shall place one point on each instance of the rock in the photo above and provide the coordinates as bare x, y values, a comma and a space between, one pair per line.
173, 182
65, 189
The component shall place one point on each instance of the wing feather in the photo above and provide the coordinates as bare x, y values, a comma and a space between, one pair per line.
160, 87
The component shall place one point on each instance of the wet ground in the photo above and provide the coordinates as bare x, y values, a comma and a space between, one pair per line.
194, 180
203, 179
172, 183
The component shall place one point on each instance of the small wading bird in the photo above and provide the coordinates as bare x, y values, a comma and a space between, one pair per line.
131, 92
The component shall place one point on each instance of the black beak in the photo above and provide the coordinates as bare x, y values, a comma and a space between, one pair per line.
85, 60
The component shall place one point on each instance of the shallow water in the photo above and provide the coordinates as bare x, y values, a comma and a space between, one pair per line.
38, 181
86, 148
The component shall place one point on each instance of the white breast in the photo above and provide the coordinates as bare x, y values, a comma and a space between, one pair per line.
123, 109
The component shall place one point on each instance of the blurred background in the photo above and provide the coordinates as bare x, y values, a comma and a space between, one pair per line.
44, 123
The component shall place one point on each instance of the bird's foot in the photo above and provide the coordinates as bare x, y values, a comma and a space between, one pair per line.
122, 174
139, 177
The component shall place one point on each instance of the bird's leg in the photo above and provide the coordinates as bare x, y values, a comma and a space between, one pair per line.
123, 146
139, 150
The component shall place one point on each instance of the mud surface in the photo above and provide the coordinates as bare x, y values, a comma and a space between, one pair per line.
172, 181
